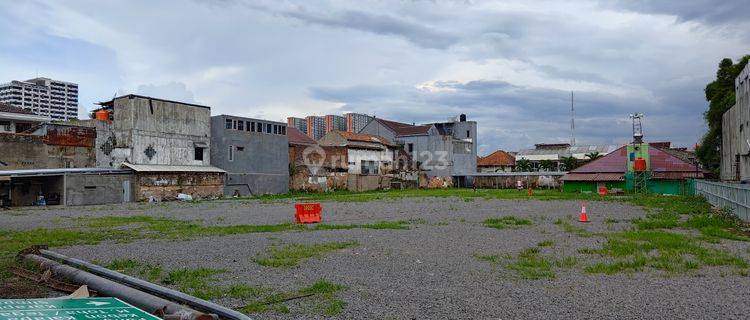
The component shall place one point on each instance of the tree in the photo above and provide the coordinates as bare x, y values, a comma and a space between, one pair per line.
569, 163
720, 95
593, 155
523, 165
547, 165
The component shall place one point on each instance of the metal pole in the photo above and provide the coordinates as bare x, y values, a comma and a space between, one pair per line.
146, 286
140, 299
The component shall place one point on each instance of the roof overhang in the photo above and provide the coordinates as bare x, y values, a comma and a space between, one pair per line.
171, 168
23, 117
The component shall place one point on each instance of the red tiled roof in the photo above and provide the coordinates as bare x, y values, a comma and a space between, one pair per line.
363, 137
13, 109
497, 158
297, 137
404, 129
663, 165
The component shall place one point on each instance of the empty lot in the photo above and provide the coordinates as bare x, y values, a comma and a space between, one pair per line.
485, 255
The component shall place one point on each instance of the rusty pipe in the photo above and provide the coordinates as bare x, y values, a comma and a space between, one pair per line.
140, 299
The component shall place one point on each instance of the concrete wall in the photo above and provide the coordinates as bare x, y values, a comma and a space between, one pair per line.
735, 144
260, 162
383, 159
25, 151
89, 189
150, 131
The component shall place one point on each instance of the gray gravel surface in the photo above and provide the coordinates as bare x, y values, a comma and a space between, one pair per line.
429, 271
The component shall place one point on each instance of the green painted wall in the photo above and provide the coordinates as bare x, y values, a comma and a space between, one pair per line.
581, 186
677, 187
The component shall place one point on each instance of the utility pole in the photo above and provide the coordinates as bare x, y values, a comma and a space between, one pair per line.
572, 121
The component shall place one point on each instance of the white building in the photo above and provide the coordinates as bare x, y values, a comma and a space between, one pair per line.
366, 154
42, 96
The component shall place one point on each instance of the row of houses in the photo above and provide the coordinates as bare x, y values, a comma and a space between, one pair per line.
138, 148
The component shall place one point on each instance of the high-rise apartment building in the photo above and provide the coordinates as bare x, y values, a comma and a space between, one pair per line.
299, 123
316, 127
335, 123
43, 96
356, 121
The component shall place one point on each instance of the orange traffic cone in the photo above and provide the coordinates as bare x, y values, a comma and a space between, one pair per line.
583, 217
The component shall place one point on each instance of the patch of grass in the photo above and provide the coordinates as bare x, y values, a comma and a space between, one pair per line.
139, 269
569, 228
546, 243
716, 226
506, 222
196, 282
659, 249
291, 255
529, 264
323, 300
566, 262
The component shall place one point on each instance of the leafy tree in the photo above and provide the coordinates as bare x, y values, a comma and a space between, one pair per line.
523, 165
720, 95
547, 165
569, 163
593, 155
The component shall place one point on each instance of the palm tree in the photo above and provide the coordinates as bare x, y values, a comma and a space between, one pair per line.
569, 163
546, 165
523, 165
593, 155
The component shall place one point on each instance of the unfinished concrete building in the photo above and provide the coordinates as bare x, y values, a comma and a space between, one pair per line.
735, 132
253, 152
166, 143
445, 151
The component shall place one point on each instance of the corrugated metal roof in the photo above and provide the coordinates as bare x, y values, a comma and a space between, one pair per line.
298, 137
568, 151
661, 163
593, 177
405, 129
169, 168
61, 171
364, 137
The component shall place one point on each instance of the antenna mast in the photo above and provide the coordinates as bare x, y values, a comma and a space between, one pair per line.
637, 127
572, 121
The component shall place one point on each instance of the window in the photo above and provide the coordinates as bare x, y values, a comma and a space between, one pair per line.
268, 128
369, 167
198, 154
410, 147
247, 125
283, 130
4, 125
234, 124
240, 148
252, 127
229, 124
241, 125
468, 133
276, 129
230, 155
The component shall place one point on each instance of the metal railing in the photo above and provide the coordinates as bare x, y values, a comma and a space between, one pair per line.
726, 195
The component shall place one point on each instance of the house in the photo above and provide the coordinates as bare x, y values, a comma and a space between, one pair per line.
313, 167
445, 151
166, 143
554, 153
253, 152
17, 120
662, 172
48, 146
366, 154
735, 132
498, 161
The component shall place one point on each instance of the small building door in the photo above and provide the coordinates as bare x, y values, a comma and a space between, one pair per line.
126, 191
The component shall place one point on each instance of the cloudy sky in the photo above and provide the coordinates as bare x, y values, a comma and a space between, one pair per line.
510, 65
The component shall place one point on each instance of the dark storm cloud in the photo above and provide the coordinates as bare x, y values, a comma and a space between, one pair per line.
711, 11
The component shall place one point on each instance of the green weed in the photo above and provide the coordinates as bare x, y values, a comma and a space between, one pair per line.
506, 222
291, 255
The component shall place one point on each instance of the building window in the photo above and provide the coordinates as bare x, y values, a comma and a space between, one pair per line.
410, 147
241, 125
229, 123
268, 128
234, 124
283, 130
468, 133
247, 125
369, 167
252, 127
240, 148
198, 154
230, 154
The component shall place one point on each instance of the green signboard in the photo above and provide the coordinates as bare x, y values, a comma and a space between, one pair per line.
71, 309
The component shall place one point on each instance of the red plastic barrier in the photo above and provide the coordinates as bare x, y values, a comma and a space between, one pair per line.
307, 212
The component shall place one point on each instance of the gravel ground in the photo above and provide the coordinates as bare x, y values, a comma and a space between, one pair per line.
428, 271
